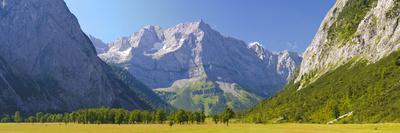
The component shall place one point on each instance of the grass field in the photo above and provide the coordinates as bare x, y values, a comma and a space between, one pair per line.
206, 128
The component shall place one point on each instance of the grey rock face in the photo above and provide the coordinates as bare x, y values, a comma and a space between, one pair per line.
192, 50
54, 61
100, 46
377, 35
9, 99
283, 63
287, 64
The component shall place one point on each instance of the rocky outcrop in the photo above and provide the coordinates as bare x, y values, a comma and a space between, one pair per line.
54, 64
284, 63
353, 30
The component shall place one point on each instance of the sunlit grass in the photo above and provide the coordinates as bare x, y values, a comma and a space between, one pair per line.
205, 128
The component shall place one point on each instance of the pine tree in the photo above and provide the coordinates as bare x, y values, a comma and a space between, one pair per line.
161, 116
6, 118
30, 119
215, 118
227, 115
17, 117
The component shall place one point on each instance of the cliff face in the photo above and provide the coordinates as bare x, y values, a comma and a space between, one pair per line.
353, 30
284, 63
42, 42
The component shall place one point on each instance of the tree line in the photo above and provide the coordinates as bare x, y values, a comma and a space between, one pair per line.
224, 117
110, 116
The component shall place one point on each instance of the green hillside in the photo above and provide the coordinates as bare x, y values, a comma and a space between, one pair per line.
371, 91
207, 96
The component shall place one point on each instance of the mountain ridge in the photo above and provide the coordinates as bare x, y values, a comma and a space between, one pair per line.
190, 54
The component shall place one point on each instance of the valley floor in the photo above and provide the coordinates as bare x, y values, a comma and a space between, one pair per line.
206, 128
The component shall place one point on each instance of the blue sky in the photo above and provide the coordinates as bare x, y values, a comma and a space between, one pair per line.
278, 24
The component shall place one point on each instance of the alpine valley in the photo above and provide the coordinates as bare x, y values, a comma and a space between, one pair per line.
194, 67
350, 73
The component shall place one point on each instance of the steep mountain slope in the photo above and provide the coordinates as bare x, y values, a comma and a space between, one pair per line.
370, 91
99, 45
54, 64
142, 92
353, 29
9, 99
351, 66
194, 67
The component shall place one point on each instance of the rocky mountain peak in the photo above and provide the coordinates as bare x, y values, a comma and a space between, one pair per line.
156, 42
192, 27
259, 49
287, 53
149, 30
284, 62
288, 63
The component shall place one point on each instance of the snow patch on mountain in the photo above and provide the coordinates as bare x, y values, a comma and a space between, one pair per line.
157, 46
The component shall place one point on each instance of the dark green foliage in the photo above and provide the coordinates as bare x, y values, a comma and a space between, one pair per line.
160, 116
372, 91
348, 20
227, 115
215, 119
17, 117
398, 61
30, 119
186, 117
5, 118
224, 117
111, 116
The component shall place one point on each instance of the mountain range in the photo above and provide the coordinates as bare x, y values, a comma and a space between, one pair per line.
194, 67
